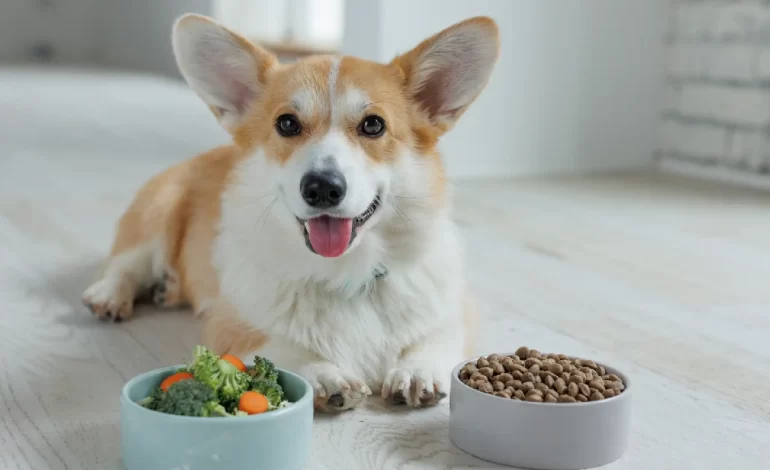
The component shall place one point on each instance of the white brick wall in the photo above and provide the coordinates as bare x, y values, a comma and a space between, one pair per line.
717, 100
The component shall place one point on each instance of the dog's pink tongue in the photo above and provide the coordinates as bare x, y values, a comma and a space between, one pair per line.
330, 236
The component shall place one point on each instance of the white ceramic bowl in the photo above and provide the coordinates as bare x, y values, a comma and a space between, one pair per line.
544, 436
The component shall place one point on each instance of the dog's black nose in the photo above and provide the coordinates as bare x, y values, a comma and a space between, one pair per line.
323, 188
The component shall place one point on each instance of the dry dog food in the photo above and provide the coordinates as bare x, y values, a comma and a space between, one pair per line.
530, 375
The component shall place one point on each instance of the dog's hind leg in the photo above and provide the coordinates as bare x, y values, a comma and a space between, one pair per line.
139, 262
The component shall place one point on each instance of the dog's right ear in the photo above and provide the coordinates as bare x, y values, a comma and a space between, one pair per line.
225, 69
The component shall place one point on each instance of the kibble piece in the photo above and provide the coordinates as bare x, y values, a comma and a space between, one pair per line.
479, 376
497, 367
584, 389
565, 362
582, 398
536, 392
505, 377
531, 362
569, 368
510, 390
566, 399
550, 399
549, 381
527, 386
560, 385
535, 398
501, 395
537, 379
577, 362
577, 378
563, 357
523, 352
465, 375
572, 389
528, 377
517, 384
482, 362
519, 394
596, 395
602, 370
597, 385
556, 369
517, 375
535, 369
535, 353
486, 387
614, 378
587, 371
520, 368
542, 387
493, 357
565, 376
498, 386
507, 364
487, 372
608, 393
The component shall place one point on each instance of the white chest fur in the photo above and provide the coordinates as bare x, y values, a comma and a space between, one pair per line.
334, 308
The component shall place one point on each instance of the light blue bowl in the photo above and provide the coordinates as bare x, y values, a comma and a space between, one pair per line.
277, 440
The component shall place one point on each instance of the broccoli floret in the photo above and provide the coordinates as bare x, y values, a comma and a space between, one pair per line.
151, 402
190, 398
270, 389
205, 367
220, 375
263, 369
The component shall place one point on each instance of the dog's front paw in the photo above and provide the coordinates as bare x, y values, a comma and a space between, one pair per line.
414, 385
334, 390
110, 298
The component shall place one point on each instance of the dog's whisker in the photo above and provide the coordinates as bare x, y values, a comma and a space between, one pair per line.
400, 212
266, 212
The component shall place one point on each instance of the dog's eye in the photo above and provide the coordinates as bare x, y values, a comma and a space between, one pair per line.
287, 125
372, 126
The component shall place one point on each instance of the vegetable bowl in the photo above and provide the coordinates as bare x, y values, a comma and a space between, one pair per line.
204, 416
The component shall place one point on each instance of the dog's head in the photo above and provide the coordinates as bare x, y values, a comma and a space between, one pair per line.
350, 144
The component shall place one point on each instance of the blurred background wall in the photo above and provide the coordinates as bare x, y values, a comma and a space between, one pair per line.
716, 113
593, 85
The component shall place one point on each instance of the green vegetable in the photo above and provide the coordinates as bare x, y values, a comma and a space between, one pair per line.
189, 398
220, 375
151, 402
270, 389
263, 369
216, 387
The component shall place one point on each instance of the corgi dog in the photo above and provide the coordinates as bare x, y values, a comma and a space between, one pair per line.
321, 237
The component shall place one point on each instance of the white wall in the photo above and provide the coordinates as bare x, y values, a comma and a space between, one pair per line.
577, 88
717, 111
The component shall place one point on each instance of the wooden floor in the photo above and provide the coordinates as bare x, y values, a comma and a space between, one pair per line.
663, 277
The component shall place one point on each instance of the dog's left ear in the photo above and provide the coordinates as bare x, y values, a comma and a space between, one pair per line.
226, 70
448, 71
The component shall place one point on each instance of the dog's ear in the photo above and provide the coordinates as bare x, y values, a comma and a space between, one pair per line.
448, 71
226, 70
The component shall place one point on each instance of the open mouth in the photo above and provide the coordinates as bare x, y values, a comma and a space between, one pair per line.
330, 236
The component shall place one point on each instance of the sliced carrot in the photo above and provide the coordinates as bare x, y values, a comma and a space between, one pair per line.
172, 379
253, 403
234, 361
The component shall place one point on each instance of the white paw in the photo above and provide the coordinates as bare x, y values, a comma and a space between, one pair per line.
334, 390
414, 385
110, 298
